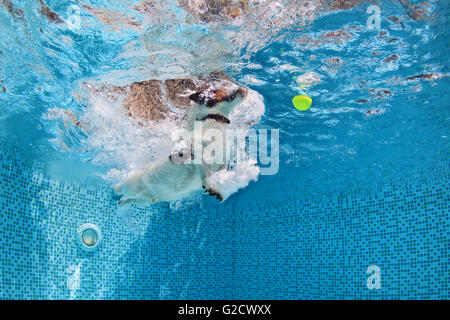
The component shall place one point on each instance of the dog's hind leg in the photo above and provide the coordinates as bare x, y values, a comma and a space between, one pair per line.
205, 173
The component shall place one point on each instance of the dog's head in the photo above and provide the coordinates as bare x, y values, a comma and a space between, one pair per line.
217, 97
210, 97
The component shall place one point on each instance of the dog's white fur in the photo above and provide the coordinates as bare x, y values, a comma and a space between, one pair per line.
166, 180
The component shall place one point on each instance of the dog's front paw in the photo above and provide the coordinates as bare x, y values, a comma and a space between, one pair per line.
216, 194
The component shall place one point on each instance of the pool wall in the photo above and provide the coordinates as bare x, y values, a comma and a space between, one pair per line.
321, 248
303, 247
154, 253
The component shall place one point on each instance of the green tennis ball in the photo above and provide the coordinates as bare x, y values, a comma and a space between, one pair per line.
302, 103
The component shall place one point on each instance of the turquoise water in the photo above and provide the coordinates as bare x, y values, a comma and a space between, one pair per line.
363, 176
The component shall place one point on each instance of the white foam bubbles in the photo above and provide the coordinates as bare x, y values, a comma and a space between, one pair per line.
248, 112
120, 143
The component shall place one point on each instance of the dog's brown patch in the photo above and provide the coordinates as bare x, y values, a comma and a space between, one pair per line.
217, 96
145, 100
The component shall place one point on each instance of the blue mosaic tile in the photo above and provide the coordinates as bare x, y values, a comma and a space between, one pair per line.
315, 247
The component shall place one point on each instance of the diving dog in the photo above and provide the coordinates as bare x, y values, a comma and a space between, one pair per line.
203, 100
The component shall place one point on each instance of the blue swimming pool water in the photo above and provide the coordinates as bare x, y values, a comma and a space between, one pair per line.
363, 178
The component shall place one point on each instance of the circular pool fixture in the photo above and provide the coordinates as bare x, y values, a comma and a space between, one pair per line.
89, 236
